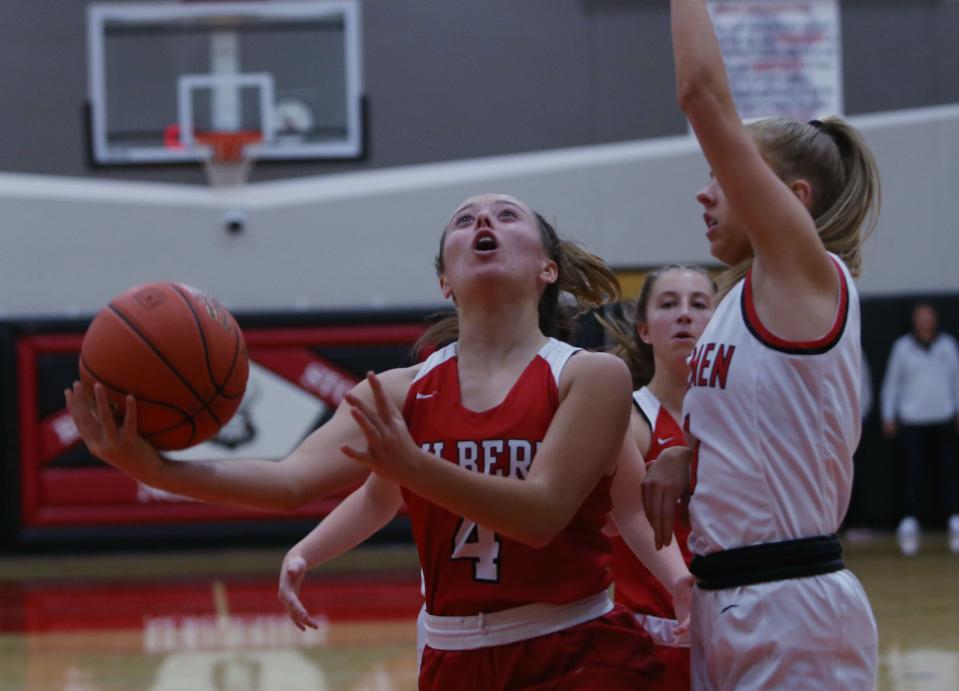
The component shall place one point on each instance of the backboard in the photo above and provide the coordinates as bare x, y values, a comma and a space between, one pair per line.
160, 74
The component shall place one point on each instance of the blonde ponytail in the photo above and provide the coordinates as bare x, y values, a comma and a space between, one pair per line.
833, 157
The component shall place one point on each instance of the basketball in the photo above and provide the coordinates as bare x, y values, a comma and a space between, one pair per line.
178, 351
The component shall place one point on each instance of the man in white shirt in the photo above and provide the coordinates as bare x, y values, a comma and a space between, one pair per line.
920, 407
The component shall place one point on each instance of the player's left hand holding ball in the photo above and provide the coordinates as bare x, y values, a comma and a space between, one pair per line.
117, 444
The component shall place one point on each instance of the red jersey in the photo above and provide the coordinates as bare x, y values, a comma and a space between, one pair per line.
469, 569
637, 588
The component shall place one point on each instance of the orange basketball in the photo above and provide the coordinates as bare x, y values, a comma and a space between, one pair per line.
178, 351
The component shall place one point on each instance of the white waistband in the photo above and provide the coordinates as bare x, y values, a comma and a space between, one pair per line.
511, 625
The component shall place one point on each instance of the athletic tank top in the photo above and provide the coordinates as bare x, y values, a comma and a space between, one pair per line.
636, 587
467, 568
777, 422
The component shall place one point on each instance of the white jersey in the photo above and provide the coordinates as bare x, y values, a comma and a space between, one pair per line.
777, 423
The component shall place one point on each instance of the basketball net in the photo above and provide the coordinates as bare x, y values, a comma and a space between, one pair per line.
228, 162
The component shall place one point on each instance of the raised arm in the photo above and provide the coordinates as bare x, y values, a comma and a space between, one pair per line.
582, 444
316, 468
360, 515
781, 230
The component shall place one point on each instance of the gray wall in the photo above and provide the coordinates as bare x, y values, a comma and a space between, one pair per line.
467, 78
367, 239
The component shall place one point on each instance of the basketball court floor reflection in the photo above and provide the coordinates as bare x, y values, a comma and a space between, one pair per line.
211, 621
161, 623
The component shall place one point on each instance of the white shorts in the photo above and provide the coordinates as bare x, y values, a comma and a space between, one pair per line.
814, 633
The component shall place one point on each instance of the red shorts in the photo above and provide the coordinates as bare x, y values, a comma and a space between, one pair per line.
638, 590
610, 653
676, 674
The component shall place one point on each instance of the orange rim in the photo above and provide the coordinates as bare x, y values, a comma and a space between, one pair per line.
228, 146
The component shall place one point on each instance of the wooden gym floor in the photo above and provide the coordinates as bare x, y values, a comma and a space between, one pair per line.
210, 621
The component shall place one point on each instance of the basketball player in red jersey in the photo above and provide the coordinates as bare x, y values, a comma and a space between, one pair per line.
772, 413
671, 312
514, 558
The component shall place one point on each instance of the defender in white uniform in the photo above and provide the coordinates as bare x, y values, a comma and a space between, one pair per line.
776, 423
772, 415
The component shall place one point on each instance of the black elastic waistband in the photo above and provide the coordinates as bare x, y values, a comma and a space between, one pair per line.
769, 561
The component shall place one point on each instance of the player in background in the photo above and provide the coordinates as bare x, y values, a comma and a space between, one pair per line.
670, 313
772, 413
514, 557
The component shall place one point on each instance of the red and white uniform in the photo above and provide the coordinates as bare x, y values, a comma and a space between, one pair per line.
636, 588
776, 422
501, 614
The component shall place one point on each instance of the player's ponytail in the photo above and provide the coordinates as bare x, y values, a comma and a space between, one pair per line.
833, 158
626, 343
582, 275
851, 217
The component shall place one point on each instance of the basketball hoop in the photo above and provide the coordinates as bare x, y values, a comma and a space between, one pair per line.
229, 161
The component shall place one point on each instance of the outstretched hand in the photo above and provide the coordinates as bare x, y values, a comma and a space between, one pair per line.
667, 480
119, 445
292, 574
391, 451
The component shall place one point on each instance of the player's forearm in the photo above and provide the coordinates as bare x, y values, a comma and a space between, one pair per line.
308, 473
246, 483
355, 519
666, 564
528, 511
888, 395
700, 70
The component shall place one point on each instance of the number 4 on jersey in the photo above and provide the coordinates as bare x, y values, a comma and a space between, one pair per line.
481, 545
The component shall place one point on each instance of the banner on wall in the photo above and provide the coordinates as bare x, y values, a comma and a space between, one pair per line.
783, 57
299, 374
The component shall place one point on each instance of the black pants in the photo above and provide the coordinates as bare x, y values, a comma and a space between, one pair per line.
926, 446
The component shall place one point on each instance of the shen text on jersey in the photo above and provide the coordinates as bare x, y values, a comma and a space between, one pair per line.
709, 365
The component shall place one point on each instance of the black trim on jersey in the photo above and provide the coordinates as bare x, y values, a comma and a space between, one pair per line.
768, 561
643, 413
796, 347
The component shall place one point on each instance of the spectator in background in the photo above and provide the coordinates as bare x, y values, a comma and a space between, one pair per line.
920, 408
